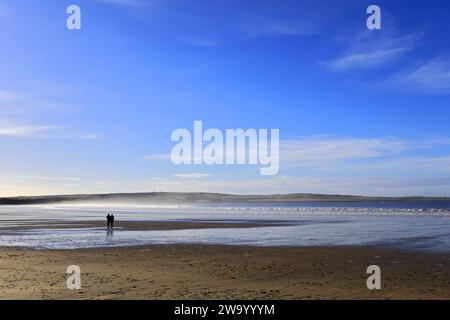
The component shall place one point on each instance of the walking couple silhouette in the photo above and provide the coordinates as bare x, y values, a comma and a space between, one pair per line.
110, 220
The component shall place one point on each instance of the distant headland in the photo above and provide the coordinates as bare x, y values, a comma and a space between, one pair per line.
178, 198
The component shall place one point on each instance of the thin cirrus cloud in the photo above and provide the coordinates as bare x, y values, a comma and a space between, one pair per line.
330, 155
17, 103
19, 130
411, 167
25, 131
239, 31
326, 148
17, 113
242, 31
320, 149
157, 157
45, 178
375, 166
430, 78
373, 49
185, 22
192, 175
369, 50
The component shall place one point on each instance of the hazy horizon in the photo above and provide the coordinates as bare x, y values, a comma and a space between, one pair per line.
295, 196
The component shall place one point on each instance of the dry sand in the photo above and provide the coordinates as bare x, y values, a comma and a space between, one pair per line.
223, 272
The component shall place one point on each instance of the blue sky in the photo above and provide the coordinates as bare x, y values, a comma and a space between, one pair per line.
359, 111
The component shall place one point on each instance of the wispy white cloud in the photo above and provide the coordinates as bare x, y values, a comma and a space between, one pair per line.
240, 31
245, 30
45, 178
71, 134
8, 96
430, 78
321, 149
185, 21
192, 175
158, 157
24, 131
410, 165
16, 103
21, 130
327, 151
373, 49
18, 113
336, 155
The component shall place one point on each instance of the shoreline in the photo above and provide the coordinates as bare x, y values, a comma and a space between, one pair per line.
369, 247
223, 272
130, 225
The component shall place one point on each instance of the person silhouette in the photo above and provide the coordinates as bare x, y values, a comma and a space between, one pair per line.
112, 221
108, 220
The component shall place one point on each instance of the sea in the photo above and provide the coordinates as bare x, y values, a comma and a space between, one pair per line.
421, 225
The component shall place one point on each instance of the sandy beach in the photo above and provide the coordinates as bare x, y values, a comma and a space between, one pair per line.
210, 271
223, 272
